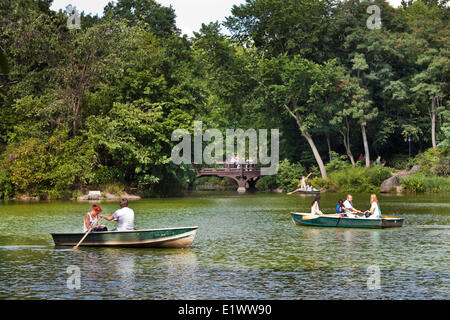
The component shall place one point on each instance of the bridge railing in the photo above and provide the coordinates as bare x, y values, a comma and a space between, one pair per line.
230, 168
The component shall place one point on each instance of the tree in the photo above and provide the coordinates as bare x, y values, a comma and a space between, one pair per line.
344, 110
159, 19
432, 83
361, 105
445, 143
299, 86
282, 26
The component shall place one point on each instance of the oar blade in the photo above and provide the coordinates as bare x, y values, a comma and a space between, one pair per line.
310, 217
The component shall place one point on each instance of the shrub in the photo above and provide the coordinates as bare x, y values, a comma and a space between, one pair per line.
105, 175
421, 183
6, 187
377, 174
338, 163
50, 168
358, 179
413, 184
400, 162
289, 175
114, 188
349, 180
267, 183
320, 183
432, 162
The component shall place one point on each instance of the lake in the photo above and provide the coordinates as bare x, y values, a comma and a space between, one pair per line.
246, 248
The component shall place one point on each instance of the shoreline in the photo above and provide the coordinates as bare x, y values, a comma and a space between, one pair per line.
199, 193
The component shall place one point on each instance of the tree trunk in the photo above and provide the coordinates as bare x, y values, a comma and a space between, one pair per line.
329, 146
433, 122
308, 138
346, 137
366, 145
305, 133
75, 109
316, 153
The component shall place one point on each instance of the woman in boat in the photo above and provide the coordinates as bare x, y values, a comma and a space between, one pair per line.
374, 212
315, 205
91, 218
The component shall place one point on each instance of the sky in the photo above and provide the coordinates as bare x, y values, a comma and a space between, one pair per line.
190, 13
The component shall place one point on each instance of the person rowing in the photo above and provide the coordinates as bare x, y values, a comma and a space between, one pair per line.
351, 211
302, 185
91, 218
124, 217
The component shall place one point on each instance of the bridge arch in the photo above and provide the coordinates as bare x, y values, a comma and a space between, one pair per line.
246, 176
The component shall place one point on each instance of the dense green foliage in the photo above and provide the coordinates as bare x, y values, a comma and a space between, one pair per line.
423, 183
288, 177
96, 107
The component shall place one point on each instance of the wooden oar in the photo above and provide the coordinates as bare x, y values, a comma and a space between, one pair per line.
95, 224
313, 216
294, 191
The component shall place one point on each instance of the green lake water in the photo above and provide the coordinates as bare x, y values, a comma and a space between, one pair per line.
246, 248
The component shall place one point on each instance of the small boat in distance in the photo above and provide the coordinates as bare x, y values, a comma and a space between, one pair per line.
335, 220
150, 238
307, 191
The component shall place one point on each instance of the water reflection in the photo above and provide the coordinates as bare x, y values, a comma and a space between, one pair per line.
246, 248
181, 272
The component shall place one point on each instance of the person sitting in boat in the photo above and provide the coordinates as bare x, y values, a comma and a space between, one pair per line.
374, 212
315, 209
91, 218
348, 204
340, 209
124, 217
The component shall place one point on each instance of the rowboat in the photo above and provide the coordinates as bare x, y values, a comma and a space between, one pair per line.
308, 191
335, 220
150, 238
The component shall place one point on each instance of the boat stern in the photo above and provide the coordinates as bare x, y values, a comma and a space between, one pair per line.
391, 222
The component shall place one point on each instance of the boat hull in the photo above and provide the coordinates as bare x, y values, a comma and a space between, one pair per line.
308, 192
334, 220
151, 238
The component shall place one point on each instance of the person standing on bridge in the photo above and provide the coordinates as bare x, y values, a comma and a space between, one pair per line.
238, 161
251, 163
233, 162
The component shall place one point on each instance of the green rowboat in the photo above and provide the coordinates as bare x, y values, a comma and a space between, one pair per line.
150, 238
335, 220
308, 191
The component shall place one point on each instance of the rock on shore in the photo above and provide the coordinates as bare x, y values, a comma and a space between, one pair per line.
393, 183
108, 196
390, 184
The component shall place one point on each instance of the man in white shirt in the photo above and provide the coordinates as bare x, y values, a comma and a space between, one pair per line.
124, 217
348, 204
